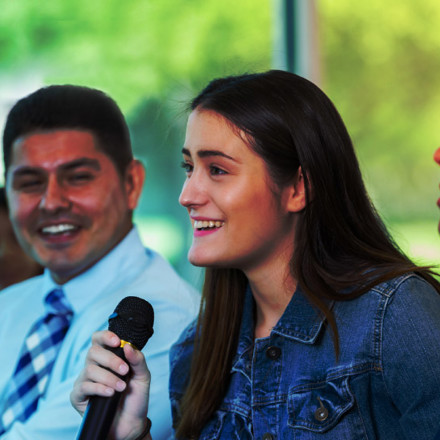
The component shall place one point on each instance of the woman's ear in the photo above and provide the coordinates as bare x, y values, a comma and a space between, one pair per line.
296, 201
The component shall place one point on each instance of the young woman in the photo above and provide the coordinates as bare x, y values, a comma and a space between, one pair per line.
313, 324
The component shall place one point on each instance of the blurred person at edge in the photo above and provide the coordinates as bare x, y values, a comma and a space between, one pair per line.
72, 185
313, 323
437, 159
15, 264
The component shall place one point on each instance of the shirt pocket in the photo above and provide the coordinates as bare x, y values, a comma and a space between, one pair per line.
320, 407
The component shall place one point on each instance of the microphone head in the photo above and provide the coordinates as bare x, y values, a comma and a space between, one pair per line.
133, 321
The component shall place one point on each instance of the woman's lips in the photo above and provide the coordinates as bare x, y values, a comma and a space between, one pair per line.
206, 227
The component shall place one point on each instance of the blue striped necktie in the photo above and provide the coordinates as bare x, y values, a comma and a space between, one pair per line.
36, 360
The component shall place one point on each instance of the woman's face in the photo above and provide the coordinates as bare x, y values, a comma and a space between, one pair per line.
237, 219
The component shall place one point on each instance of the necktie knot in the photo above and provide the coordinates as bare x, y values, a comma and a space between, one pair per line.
56, 303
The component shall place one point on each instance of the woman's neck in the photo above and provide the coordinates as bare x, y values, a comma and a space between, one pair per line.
272, 293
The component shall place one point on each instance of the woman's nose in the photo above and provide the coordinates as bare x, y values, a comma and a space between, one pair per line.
193, 192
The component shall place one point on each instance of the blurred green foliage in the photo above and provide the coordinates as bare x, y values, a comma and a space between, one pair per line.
380, 63
135, 48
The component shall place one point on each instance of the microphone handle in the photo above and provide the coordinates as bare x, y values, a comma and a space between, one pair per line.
100, 412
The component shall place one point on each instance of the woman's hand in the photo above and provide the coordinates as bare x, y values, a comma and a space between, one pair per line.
96, 380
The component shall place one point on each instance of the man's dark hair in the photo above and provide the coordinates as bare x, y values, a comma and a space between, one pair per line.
3, 201
71, 107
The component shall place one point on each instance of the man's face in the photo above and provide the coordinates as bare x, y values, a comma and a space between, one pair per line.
68, 204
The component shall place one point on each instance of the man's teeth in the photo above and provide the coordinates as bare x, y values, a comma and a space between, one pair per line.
204, 224
58, 229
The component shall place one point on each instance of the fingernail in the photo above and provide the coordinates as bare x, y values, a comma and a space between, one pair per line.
108, 391
123, 369
120, 385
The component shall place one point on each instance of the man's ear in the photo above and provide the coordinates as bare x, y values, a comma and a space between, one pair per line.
296, 200
134, 182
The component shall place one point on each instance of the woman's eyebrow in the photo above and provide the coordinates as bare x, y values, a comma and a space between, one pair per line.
208, 153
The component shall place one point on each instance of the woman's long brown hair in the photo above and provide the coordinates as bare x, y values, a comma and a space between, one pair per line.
340, 241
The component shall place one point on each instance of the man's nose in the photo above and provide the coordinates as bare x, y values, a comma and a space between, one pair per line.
55, 197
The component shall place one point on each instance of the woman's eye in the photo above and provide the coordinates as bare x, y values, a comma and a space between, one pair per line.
216, 171
187, 167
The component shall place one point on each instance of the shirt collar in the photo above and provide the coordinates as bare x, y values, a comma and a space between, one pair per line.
126, 260
300, 321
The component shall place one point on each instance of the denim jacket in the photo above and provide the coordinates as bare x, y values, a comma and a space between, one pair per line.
385, 384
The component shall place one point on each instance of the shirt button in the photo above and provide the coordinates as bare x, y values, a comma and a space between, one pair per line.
268, 436
321, 414
273, 352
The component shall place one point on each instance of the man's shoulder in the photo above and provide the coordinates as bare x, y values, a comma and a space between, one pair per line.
157, 282
21, 290
160, 276
28, 283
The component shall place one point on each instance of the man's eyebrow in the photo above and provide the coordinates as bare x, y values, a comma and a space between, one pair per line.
208, 153
81, 162
26, 170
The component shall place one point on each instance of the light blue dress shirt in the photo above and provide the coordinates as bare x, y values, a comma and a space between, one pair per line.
128, 270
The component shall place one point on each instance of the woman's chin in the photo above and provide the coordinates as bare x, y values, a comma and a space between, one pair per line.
202, 260
196, 259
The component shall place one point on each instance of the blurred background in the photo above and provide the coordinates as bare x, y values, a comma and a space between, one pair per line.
378, 61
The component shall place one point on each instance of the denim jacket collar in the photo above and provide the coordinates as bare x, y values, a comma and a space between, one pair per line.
300, 321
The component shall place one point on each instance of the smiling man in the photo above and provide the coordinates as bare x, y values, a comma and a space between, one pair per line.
72, 185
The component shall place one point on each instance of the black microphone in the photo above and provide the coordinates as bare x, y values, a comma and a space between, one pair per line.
132, 321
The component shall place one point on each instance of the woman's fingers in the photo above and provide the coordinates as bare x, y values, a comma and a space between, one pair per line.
99, 354
106, 337
137, 362
99, 376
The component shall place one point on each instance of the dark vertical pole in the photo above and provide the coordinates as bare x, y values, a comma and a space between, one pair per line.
285, 49
289, 17
296, 42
